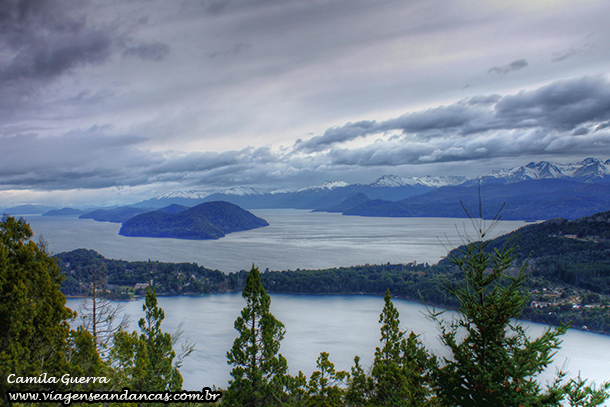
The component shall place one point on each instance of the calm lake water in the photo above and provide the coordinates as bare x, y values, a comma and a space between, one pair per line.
294, 239
344, 326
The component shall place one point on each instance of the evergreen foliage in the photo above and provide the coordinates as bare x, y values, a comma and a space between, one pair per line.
326, 385
493, 361
399, 374
84, 359
259, 371
144, 362
34, 327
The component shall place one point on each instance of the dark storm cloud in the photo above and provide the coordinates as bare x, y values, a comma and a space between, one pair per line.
337, 135
94, 159
42, 41
570, 115
85, 159
564, 113
562, 105
513, 66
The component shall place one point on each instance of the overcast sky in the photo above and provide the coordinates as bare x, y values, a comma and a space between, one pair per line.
118, 101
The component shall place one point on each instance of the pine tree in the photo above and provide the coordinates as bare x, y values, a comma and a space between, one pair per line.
399, 374
325, 384
493, 362
259, 372
145, 362
360, 386
85, 361
33, 317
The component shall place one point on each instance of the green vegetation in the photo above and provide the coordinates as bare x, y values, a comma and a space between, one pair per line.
259, 370
553, 301
144, 362
35, 331
401, 369
211, 220
492, 360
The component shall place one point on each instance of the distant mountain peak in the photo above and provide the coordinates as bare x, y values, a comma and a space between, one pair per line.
328, 185
590, 160
241, 191
389, 181
192, 194
393, 181
587, 170
441, 181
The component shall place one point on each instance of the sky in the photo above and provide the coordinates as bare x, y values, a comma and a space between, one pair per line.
107, 102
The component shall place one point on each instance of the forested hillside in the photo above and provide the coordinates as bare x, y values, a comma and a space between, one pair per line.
210, 220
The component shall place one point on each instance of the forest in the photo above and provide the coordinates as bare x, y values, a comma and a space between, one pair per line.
492, 362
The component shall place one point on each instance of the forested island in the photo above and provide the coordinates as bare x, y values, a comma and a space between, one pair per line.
210, 220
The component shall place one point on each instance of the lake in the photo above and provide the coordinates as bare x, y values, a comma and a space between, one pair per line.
344, 326
294, 239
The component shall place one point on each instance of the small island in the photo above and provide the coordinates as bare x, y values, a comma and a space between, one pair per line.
210, 220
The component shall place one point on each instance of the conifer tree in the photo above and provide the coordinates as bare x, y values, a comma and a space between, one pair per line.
493, 361
33, 317
259, 371
145, 362
84, 360
399, 374
325, 384
359, 387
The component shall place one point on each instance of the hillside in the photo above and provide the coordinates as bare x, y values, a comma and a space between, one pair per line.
211, 220
116, 215
526, 200
574, 252
63, 212
351, 202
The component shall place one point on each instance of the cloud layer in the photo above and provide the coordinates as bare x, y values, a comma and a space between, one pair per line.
151, 95
569, 115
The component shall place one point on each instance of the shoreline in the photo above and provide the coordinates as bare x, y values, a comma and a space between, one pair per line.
441, 307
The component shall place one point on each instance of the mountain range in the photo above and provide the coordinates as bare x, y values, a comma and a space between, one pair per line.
538, 190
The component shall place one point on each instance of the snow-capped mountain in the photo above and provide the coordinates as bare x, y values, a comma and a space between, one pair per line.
387, 187
328, 185
393, 181
390, 181
281, 191
184, 194
588, 170
241, 191
438, 181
